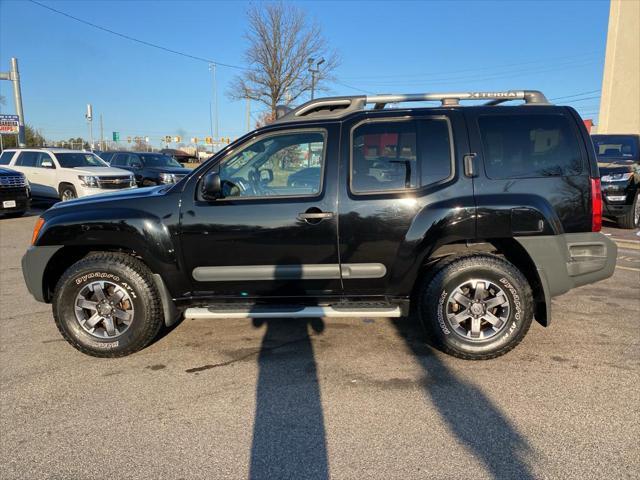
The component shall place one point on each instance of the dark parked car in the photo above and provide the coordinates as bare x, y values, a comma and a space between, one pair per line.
148, 168
476, 216
15, 192
619, 162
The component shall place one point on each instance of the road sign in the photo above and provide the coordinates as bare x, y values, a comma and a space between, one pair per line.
116, 136
9, 124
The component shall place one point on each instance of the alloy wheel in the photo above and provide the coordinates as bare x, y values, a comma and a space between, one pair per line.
104, 309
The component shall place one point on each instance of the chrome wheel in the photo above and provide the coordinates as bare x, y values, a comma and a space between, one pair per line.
477, 309
68, 194
104, 309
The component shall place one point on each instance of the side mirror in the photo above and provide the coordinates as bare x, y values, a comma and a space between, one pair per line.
211, 187
47, 164
137, 166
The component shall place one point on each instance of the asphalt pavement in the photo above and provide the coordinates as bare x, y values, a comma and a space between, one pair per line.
341, 398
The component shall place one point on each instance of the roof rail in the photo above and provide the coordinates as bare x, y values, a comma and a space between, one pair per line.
337, 107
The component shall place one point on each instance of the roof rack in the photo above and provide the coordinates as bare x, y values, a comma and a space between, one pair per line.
337, 107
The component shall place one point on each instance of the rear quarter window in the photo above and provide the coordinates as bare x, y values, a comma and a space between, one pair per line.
526, 146
6, 157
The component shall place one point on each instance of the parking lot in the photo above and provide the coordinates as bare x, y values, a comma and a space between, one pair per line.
346, 398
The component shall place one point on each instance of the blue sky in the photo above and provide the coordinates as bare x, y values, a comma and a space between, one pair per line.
386, 47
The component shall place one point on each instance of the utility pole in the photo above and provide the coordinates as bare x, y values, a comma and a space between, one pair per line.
14, 76
89, 117
313, 72
101, 134
214, 97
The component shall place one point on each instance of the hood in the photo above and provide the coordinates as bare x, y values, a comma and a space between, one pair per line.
101, 171
622, 166
174, 170
8, 171
114, 196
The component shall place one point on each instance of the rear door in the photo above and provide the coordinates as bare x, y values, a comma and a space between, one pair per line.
401, 176
534, 172
26, 163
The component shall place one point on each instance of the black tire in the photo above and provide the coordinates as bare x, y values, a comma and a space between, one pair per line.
438, 287
630, 220
67, 192
124, 271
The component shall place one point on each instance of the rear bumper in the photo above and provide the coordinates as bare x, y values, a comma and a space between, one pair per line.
571, 260
34, 263
568, 261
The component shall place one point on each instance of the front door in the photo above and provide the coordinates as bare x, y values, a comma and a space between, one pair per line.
274, 231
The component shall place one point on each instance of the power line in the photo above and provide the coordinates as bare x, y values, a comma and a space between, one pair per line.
137, 40
575, 95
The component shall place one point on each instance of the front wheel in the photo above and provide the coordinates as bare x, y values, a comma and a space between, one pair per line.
67, 192
476, 307
107, 305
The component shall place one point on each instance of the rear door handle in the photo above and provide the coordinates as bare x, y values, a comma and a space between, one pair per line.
469, 167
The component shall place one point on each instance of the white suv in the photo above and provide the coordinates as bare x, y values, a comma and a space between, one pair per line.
66, 174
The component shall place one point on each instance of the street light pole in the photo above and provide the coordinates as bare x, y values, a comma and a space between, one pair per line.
313, 72
214, 87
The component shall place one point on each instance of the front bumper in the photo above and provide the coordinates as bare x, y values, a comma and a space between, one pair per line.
34, 264
21, 196
86, 191
618, 198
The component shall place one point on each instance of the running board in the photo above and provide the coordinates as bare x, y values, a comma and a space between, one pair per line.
290, 312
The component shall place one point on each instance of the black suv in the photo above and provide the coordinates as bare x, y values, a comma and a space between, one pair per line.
15, 192
473, 217
149, 168
619, 162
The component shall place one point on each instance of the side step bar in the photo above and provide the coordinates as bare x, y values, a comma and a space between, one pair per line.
290, 312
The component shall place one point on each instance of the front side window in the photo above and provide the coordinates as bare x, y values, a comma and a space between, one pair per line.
525, 146
280, 165
45, 158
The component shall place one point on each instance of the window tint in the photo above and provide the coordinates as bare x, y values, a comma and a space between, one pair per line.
389, 156
384, 157
435, 150
75, 160
517, 146
106, 156
615, 146
6, 157
118, 160
27, 159
281, 165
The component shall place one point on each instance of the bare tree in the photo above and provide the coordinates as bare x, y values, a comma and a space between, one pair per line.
281, 45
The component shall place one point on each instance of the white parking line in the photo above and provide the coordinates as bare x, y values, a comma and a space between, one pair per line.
628, 268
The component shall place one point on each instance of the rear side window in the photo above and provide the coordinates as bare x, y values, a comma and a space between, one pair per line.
521, 146
6, 157
400, 155
27, 159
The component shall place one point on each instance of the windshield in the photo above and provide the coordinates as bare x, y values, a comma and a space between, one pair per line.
74, 160
615, 147
158, 160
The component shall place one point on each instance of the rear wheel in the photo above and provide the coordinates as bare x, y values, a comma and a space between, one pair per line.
107, 305
476, 307
632, 218
67, 192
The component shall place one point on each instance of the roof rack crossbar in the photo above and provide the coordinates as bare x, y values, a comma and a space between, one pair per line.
335, 107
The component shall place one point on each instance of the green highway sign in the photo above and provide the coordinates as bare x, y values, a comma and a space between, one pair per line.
116, 136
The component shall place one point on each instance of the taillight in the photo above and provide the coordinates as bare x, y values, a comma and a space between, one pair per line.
596, 205
36, 230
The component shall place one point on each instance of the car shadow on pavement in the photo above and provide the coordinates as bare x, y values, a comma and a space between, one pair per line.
288, 433
472, 418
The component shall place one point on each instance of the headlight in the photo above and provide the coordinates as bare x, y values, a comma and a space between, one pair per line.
167, 178
89, 181
617, 177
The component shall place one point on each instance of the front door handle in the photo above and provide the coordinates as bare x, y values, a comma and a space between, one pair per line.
314, 216
469, 165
